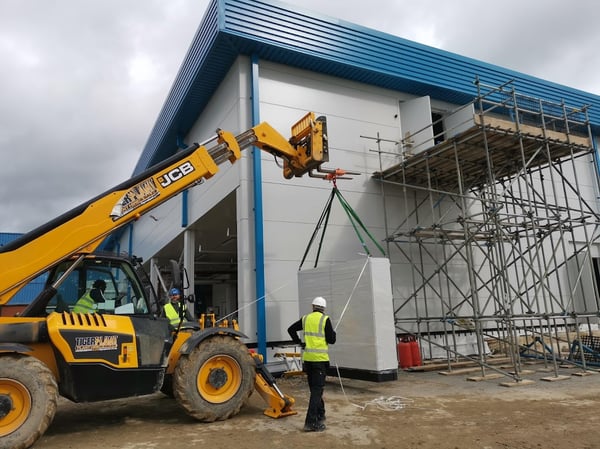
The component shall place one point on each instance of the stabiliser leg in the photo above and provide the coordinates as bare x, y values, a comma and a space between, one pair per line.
280, 405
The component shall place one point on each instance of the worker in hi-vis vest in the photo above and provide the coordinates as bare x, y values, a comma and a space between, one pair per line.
88, 303
175, 310
318, 335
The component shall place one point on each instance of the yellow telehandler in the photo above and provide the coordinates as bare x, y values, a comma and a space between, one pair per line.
126, 348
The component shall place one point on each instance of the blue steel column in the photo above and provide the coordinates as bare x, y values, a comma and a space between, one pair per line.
184, 196
259, 258
130, 243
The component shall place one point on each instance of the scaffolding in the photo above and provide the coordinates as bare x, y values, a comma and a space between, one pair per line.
495, 249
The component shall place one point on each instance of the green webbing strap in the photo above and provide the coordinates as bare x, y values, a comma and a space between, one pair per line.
353, 216
325, 219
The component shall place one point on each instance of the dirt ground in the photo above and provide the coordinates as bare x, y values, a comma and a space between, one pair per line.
419, 410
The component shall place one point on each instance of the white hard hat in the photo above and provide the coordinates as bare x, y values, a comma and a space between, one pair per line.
319, 301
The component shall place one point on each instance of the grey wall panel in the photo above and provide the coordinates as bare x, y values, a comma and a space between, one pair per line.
359, 302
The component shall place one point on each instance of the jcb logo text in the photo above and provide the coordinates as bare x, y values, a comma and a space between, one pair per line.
175, 174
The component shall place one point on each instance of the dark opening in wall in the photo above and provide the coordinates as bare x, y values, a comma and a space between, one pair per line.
438, 127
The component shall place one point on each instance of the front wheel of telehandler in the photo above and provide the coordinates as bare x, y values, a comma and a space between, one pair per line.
214, 381
28, 397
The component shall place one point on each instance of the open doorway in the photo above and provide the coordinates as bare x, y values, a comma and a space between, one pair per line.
215, 261
215, 258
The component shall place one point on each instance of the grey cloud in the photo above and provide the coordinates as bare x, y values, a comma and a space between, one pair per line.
82, 83
75, 115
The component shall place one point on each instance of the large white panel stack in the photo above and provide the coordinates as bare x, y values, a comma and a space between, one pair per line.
359, 303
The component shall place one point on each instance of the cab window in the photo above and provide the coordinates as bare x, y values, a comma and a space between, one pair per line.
104, 286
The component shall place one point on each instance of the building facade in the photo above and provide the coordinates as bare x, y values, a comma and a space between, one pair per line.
478, 183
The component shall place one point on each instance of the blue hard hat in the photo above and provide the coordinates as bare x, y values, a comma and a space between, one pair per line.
174, 291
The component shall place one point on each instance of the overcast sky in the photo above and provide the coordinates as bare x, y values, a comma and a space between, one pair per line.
82, 82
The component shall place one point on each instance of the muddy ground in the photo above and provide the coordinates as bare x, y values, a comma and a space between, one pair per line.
419, 410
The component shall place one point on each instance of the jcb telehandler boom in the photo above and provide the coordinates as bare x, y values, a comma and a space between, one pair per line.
127, 348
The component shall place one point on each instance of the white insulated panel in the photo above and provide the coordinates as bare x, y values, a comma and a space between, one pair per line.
415, 115
459, 121
359, 303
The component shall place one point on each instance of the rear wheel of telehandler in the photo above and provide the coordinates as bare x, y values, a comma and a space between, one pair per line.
214, 381
28, 396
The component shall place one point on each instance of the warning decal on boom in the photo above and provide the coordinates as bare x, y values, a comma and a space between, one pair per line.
136, 196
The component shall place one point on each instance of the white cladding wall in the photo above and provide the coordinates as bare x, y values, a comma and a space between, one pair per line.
292, 207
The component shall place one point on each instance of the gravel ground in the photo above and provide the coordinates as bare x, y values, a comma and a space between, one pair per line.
419, 410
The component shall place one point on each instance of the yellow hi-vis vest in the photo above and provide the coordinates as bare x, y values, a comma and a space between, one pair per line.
316, 348
172, 313
85, 304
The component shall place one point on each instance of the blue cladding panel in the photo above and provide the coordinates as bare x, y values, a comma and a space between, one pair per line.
6, 237
31, 290
289, 35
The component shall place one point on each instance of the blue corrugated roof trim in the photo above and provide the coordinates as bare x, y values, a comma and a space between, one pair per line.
289, 35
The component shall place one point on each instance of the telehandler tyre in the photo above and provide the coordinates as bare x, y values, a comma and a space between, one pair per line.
214, 381
28, 397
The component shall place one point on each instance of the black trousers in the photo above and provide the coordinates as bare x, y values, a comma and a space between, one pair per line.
315, 374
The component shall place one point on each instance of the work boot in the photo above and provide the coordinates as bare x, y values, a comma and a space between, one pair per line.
319, 427
321, 419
